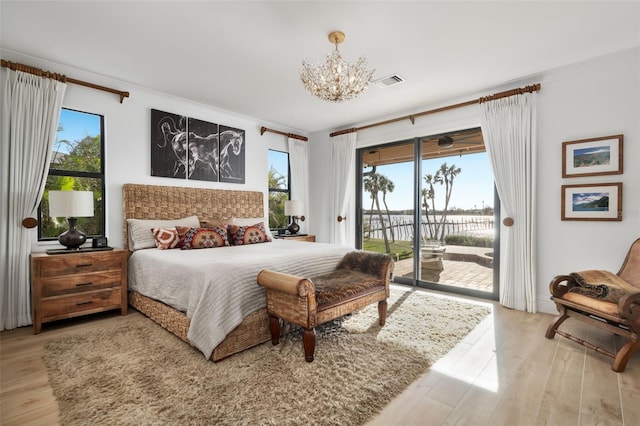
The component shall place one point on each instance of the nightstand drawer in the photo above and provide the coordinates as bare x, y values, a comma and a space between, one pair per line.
79, 264
81, 282
67, 306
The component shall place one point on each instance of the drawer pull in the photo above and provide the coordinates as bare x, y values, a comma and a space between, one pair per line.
82, 265
83, 284
84, 303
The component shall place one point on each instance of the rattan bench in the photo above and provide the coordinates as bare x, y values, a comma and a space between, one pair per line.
361, 278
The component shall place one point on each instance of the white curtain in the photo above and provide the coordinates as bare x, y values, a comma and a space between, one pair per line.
343, 151
30, 113
299, 165
509, 131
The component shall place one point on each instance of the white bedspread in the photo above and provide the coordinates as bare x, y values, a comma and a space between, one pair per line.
217, 288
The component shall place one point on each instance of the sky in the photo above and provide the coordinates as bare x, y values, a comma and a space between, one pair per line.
77, 125
472, 188
279, 160
588, 197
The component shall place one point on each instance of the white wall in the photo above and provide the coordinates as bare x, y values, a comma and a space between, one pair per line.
127, 138
599, 97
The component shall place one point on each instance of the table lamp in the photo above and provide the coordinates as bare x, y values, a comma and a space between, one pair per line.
72, 205
295, 210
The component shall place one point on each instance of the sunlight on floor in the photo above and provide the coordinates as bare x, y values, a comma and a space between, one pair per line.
477, 365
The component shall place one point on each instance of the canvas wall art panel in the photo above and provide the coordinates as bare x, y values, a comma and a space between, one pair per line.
232, 155
203, 150
168, 144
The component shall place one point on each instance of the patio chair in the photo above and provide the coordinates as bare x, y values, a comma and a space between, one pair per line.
604, 300
431, 255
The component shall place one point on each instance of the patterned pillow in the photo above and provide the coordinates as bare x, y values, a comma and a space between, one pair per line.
252, 234
166, 238
198, 238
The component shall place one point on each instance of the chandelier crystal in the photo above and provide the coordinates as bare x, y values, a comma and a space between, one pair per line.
336, 80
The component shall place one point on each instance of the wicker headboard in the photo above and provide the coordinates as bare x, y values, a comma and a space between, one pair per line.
172, 202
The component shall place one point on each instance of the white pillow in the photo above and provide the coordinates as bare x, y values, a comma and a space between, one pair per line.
247, 221
141, 237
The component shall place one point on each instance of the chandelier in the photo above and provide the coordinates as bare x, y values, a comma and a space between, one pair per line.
336, 80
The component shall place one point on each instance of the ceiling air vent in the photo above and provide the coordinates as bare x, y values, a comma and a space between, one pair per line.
389, 81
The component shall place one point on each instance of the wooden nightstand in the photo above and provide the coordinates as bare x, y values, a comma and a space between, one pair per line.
298, 237
75, 284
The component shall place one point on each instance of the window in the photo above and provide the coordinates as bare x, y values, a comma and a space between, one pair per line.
279, 188
77, 163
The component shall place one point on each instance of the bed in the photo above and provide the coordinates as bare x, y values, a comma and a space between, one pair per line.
222, 309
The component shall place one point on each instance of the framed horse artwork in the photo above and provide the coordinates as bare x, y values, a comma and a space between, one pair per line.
187, 148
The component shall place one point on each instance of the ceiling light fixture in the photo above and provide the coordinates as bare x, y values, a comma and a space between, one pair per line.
336, 80
445, 142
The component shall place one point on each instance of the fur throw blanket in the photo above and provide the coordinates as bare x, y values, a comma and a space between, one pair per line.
601, 285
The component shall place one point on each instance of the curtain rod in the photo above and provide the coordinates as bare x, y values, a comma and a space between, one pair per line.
60, 77
412, 117
291, 135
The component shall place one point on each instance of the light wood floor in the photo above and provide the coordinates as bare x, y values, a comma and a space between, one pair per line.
504, 373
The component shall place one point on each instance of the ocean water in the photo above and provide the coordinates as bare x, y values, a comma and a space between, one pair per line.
467, 225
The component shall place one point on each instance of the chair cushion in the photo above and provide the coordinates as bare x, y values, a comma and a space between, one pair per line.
595, 304
601, 285
342, 284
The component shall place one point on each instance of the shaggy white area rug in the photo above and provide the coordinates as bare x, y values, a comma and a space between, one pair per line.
140, 374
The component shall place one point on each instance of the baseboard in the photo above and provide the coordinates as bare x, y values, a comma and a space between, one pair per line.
547, 306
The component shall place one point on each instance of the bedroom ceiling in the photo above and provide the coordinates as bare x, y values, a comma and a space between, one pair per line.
245, 56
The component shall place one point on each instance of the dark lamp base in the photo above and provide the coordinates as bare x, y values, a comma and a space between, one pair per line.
293, 227
72, 239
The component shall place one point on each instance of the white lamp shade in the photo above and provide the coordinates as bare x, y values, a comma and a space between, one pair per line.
293, 208
70, 203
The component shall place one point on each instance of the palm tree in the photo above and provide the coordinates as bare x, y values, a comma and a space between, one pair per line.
448, 175
424, 192
429, 194
372, 185
386, 185
277, 219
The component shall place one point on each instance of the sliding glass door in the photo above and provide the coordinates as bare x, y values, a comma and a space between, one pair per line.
386, 203
430, 203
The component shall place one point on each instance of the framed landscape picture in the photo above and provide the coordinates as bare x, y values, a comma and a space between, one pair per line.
597, 201
592, 157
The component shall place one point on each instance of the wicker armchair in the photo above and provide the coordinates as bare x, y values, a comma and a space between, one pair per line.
359, 279
607, 301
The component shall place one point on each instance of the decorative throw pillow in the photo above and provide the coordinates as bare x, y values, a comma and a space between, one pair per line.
199, 238
210, 223
246, 221
140, 236
166, 238
252, 234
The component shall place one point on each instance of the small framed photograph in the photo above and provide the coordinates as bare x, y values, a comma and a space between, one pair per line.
592, 157
597, 201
